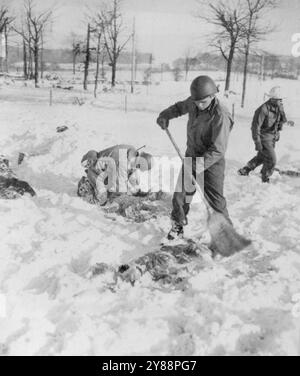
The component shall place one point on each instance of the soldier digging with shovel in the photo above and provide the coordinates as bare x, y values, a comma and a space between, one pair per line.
208, 130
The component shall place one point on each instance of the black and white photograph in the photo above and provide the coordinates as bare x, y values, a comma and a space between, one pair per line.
149, 180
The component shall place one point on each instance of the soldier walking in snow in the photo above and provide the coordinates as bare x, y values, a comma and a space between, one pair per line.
112, 171
208, 132
266, 127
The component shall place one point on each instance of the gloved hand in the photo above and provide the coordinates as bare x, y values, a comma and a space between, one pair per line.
291, 123
258, 146
277, 137
163, 122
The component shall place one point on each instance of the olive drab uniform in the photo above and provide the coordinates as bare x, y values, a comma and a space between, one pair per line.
111, 172
207, 136
266, 126
107, 172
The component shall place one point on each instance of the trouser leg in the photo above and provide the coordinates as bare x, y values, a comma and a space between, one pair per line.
212, 184
256, 161
270, 158
183, 195
214, 187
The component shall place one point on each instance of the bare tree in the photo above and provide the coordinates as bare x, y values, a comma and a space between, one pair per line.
5, 22
87, 57
228, 17
255, 30
76, 50
99, 51
32, 33
187, 62
110, 19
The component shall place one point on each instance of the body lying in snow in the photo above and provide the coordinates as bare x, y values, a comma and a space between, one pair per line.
113, 171
10, 186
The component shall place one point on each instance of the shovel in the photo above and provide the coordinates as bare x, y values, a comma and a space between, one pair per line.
291, 173
224, 238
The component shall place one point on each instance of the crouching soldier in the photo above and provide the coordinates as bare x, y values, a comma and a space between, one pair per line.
112, 171
208, 130
10, 186
266, 127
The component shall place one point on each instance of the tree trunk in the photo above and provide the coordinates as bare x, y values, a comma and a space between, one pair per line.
247, 51
113, 73
6, 48
187, 68
87, 59
102, 64
30, 65
2, 55
229, 68
97, 65
25, 68
74, 63
36, 64
42, 56
133, 58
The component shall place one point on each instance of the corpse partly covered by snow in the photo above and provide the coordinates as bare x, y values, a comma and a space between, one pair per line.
49, 304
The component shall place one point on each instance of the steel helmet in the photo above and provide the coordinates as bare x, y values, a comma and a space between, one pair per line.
202, 87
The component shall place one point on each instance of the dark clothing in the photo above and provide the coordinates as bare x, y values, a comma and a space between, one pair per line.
207, 136
112, 175
268, 119
10, 186
267, 123
267, 157
207, 131
212, 183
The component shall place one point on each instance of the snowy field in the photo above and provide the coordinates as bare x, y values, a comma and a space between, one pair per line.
245, 305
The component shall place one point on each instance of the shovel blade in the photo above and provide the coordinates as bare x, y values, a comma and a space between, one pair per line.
224, 238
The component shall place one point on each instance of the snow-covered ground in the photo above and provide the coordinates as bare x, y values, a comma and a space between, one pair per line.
245, 305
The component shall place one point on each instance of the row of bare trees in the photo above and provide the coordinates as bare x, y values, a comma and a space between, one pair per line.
31, 26
106, 38
32, 30
6, 21
239, 26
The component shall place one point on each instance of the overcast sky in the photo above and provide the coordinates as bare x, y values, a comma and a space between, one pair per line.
166, 27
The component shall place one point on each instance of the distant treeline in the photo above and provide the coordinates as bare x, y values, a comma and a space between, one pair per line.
65, 56
262, 64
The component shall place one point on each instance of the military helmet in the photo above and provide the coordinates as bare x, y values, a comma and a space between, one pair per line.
203, 87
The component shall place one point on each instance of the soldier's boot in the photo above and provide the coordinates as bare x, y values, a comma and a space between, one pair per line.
265, 178
176, 232
245, 171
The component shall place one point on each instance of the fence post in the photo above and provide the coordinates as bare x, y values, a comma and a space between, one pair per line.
126, 105
51, 96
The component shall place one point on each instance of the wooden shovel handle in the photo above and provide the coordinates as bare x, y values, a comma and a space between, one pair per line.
182, 159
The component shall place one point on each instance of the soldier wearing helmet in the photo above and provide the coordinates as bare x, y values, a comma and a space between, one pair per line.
266, 126
208, 130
